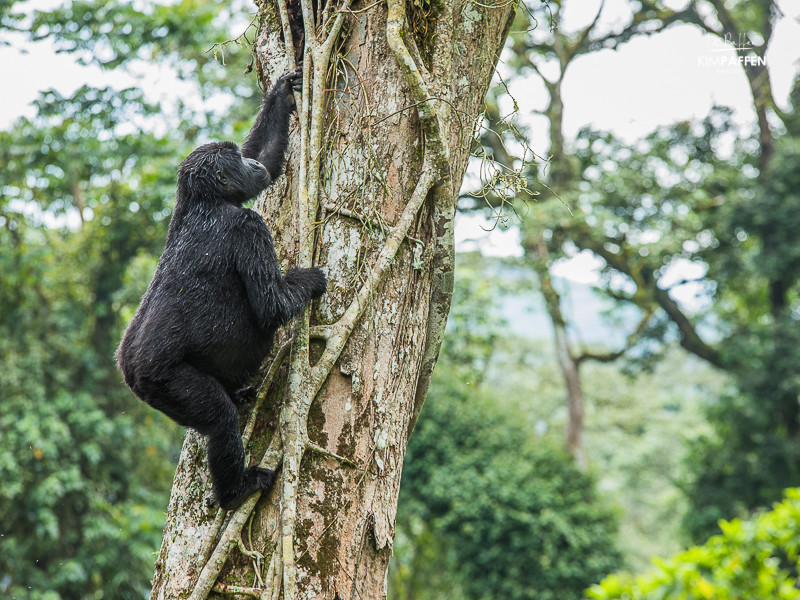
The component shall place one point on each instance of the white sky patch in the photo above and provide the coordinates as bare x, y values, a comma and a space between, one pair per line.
37, 67
476, 232
649, 82
584, 268
683, 278
71, 219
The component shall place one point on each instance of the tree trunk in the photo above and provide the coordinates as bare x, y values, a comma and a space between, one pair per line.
375, 163
539, 257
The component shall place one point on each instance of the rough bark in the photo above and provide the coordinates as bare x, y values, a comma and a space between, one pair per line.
377, 156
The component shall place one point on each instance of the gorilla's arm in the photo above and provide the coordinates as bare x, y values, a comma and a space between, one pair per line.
269, 136
274, 299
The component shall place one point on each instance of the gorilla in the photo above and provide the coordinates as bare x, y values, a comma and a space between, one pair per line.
218, 295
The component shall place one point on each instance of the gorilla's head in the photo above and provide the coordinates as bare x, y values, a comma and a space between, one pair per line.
217, 172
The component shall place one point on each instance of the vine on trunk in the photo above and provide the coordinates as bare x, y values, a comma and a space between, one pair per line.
304, 380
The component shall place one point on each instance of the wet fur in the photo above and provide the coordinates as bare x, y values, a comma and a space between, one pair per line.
207, 321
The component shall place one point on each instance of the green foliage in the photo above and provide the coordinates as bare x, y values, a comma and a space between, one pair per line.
86, 481
8, 18
754, 452
73, 509
772, 216
518, 517
637, 429
635, 435
514, 514
202, 42
751, 454
751, 560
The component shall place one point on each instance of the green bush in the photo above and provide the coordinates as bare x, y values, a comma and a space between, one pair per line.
751, 560
496, 512
73, 510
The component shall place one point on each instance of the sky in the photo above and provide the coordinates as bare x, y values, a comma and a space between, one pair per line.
648, 82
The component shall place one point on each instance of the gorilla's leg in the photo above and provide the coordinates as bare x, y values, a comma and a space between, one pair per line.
197, 400
245, 395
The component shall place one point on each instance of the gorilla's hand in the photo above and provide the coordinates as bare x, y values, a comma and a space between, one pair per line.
291, 81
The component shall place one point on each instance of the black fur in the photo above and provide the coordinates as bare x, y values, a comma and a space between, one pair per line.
217, 297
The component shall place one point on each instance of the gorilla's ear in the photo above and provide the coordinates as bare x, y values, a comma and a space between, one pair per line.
221, 177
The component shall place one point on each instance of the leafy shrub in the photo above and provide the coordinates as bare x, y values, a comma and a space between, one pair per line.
751, 560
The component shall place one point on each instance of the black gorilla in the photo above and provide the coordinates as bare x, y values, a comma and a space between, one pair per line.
207, 320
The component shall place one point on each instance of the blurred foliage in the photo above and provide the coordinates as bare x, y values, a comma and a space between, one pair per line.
9, 19
75, 505
488, 508
650, 210
87, 470
700, 211
703, 212
187, 35
754, 451
758, 559
86, 192
511, 515
637, 428
689, 199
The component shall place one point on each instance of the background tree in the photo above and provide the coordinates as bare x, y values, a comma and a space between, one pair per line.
679, 198
546, 55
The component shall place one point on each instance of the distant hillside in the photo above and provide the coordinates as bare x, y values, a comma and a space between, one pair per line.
586, 311
523, 307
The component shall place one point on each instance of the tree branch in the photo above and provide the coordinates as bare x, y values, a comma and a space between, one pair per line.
630, 342
638, 26
690, 339
581, 39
